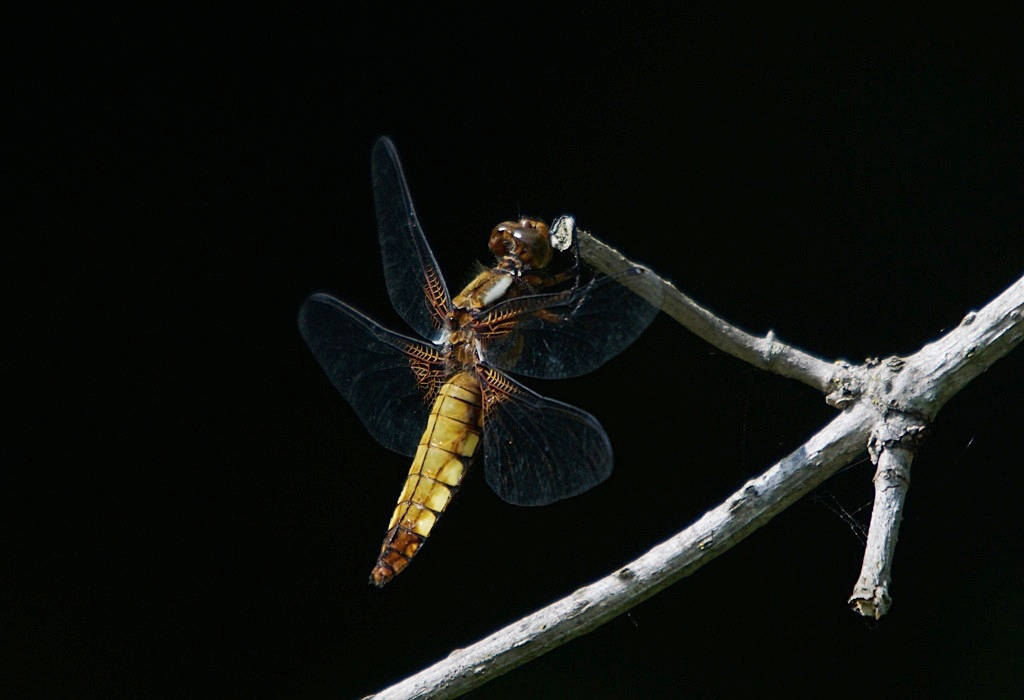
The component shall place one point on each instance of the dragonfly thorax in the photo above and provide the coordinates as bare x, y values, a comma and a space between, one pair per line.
463, 349
486, 288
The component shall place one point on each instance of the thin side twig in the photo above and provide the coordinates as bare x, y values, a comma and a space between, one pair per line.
767, 353
893, 456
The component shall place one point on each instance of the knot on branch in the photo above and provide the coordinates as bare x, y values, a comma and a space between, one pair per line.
845, 386
886, 388
898, 430
770, 348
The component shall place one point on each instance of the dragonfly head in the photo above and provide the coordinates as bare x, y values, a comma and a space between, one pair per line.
526, 241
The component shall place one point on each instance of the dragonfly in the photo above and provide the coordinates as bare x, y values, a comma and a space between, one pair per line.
447, 395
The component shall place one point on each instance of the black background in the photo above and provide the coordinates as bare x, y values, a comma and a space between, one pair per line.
196, 510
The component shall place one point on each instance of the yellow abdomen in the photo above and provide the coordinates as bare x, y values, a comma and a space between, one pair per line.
444, 453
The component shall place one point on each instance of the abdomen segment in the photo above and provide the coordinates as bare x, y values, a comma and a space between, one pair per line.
442, 457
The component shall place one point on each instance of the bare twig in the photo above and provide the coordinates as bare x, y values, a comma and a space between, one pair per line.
767, 353
912, 391
892, 445
888, 402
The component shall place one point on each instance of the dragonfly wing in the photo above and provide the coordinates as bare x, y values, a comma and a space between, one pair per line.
568, 333
414, 280
538, 450
388, 379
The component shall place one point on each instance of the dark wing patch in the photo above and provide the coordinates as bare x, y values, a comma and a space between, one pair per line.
415, 285
568, 333
387, 378
538, 450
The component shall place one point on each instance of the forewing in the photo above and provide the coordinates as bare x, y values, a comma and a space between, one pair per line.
388, 379
568, 333
538, 450
414, 280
